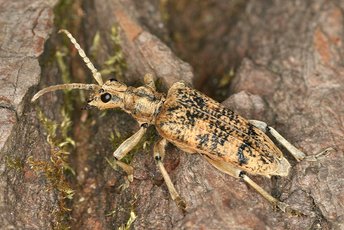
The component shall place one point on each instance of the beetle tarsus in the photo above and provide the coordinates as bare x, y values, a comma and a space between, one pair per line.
287, 209
181, 203
319, 156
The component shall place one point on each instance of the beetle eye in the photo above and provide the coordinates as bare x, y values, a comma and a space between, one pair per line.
106, 97
112, 80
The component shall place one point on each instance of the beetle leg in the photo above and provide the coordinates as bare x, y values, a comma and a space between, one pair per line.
126, 147
237, 173
159, 153
224, 167
322, 154
276, 203
297, 154
149, 80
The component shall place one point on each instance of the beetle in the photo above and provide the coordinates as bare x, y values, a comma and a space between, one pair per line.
194, 123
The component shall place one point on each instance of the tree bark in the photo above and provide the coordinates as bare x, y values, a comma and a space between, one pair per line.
287, 63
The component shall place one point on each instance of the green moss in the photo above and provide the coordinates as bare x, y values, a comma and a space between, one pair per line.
115, 64
63, 67
57, 168
64, 13
132, 215
131, 219
14, 163
221, 84
96, 45
164, 11
226, 79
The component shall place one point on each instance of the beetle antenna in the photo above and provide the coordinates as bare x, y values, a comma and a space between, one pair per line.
96, 75
64, 86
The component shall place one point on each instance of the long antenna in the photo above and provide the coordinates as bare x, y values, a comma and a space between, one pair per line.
96, 75
64, 86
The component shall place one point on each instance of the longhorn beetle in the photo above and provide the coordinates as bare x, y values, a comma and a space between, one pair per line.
194, 123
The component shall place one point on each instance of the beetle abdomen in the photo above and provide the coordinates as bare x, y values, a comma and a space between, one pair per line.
197, 124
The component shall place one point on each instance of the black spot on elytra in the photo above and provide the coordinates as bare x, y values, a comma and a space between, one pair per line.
191, 118
174, 108
194, 107
250, 131
199, 101
214, 141
241, 158
161, 124
202, 140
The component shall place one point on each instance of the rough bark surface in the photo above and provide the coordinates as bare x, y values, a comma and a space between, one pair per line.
25, 202
289, 72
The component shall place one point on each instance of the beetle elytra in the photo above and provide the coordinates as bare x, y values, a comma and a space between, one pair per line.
194, 123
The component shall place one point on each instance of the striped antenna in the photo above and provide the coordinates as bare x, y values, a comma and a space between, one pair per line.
64, 86
96, 75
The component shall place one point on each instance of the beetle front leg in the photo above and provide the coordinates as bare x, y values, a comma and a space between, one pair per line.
159, 153
126, 147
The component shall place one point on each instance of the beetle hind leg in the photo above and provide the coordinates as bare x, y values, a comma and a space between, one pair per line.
320, 155
297, 154
276, 203
238, 173
159, 153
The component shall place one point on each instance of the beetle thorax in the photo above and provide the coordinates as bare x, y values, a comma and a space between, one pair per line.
143, 103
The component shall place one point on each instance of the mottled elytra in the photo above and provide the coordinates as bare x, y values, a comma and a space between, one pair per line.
194, 123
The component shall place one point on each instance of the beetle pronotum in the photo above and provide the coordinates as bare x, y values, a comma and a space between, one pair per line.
194, 123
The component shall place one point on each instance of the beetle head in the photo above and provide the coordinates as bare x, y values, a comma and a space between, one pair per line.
109, 96
106, 95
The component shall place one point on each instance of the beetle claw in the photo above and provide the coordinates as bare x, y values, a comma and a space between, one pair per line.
320, 155
287, 209
181, 204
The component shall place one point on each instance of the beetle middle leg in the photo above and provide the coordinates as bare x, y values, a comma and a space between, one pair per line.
126, 147
159, 153
238, 173
297, 154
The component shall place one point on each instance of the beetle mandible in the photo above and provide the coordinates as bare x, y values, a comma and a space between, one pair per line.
194, 123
